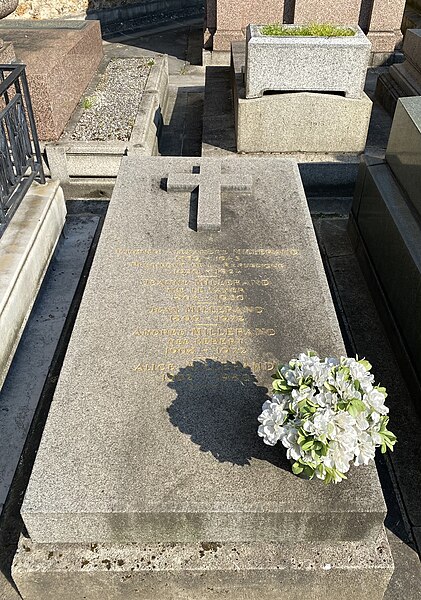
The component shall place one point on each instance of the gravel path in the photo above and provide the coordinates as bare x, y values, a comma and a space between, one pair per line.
110, 112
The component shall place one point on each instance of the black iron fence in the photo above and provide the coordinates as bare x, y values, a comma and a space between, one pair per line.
20, 155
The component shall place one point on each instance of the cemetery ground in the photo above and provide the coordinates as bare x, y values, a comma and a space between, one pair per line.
37, 363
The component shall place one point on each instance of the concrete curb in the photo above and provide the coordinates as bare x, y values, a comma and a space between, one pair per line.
25, 251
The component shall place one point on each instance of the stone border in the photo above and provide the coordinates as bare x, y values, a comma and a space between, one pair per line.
87, 163
26, 248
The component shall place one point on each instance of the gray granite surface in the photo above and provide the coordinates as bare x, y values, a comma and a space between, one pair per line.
305, 122
311, 64
152, 432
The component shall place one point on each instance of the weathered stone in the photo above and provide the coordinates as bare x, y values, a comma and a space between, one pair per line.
204, 571
297, 122
7, 52
386, 15
319, 64
210, 182
7, 7
227, 22
25, 251
402, 79
69, 158
327, 11
168, 366
412, 47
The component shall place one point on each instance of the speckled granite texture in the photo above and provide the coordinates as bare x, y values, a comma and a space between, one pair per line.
58, 70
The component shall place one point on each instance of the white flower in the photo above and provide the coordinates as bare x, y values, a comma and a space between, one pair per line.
362, 422
337, 458
331, 418
376, 399
272, 418
365, 450
288, 439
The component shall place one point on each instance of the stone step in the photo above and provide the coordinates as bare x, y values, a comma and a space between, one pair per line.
203, 571
407, 78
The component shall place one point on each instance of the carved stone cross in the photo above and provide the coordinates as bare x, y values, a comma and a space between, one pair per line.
210, 182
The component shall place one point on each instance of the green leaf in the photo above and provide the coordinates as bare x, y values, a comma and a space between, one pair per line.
355, 407
365, 364
297, 468
307, 445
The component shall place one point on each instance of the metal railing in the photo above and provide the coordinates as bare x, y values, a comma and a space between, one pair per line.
20, 154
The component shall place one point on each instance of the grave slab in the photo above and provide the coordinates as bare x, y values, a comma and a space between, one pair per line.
160, 469
170, 361
61, 59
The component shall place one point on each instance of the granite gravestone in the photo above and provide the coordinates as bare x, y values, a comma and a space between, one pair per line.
150, 480
386, 231
226, 22
58, 69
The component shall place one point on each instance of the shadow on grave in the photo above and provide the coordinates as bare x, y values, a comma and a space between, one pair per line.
217, 405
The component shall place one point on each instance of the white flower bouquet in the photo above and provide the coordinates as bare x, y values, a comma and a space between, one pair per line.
328, 414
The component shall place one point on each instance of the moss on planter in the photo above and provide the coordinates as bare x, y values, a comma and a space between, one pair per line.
312, 30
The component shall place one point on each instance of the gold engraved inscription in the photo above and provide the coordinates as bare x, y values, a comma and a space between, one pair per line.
205, 313
212, 252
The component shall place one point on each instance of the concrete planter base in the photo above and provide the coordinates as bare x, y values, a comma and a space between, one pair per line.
297, 122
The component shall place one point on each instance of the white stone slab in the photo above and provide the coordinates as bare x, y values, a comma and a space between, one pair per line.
25, 251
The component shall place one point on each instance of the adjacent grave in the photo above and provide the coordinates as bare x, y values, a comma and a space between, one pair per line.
150, 481
403, 79
385, 228
84, 165
61, 58
226, 22
317, 118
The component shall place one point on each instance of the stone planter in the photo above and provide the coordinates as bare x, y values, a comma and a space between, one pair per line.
312, 64
93, 165
7, 7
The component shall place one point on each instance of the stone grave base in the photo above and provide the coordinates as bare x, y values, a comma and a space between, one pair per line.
203, 571
297, 122
388, 91
25, 251
89, 165
161, 487
59, 69
402, 80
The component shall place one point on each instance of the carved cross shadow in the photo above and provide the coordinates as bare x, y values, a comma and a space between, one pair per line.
209, 181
